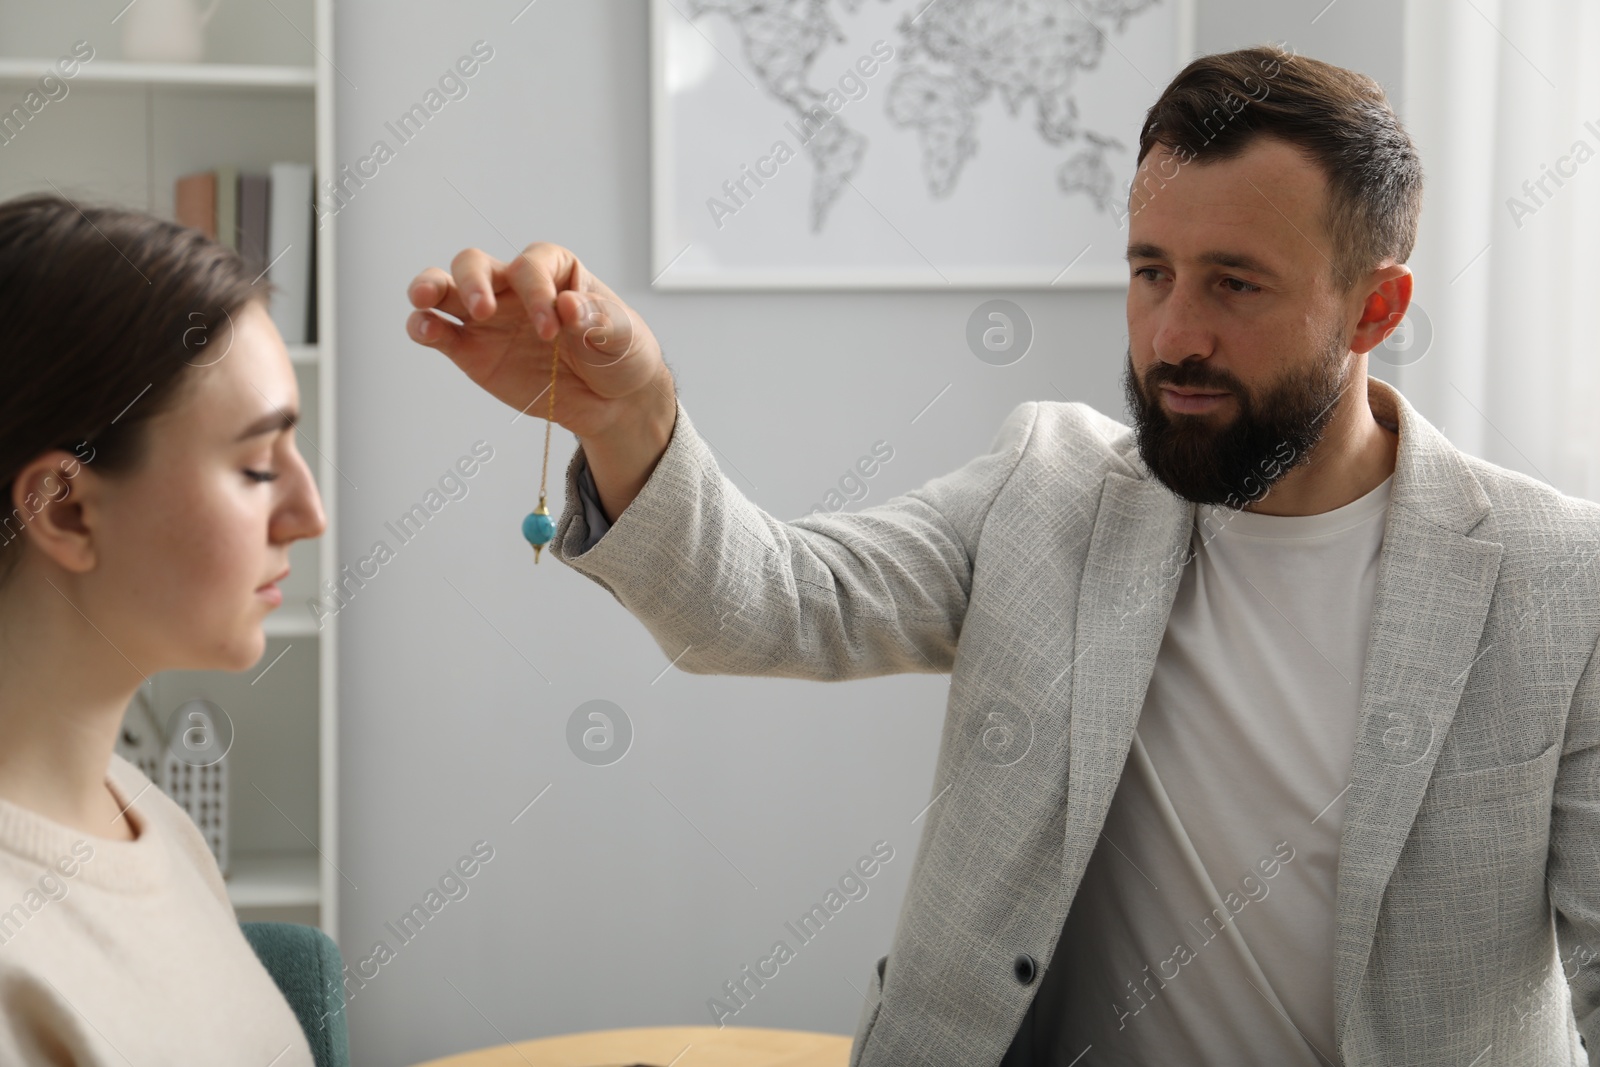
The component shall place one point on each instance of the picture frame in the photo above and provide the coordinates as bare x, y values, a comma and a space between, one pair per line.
962, 164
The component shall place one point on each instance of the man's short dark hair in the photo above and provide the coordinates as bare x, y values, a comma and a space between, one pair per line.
1220, 104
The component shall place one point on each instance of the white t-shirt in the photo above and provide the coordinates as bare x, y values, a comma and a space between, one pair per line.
117, 952
1203, 931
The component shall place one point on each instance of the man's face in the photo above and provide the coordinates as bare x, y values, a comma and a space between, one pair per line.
1233, 295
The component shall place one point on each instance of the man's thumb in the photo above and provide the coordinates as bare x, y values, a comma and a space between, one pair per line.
604, 328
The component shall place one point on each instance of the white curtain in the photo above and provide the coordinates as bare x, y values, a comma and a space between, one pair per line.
1503, 100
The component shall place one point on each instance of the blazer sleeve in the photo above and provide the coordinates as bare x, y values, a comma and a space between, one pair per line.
725, 588
1574, 867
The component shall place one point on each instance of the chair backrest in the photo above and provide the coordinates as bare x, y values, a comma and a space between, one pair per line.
307, 966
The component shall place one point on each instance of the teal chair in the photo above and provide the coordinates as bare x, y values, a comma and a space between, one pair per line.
307, 966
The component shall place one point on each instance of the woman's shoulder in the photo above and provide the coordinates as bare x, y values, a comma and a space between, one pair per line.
153, 811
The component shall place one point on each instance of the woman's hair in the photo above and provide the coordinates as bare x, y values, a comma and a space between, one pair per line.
101, 309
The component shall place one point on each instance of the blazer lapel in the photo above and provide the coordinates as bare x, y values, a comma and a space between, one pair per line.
1434, 585
1130, 578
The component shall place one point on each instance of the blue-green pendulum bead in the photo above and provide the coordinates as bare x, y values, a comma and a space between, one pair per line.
538, 528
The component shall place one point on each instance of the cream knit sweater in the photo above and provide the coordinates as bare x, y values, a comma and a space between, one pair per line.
128, 952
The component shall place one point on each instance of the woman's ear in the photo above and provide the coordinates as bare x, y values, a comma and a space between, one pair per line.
53, 501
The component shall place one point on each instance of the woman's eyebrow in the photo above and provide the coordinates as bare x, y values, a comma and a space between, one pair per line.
276, 422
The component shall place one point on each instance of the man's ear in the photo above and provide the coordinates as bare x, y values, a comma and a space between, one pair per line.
1388, 296
53, 502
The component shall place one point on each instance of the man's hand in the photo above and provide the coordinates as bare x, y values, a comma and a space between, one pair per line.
613, 390
510, 314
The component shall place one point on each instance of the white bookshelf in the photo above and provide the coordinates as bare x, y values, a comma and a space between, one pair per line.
274, 880
213, 75
290, 620
123, 134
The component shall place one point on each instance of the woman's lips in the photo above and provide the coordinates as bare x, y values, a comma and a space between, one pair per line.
271, 592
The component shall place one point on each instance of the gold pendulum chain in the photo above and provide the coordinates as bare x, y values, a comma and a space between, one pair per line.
538, 527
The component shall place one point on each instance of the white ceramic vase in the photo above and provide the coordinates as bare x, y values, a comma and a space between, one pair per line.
165, 31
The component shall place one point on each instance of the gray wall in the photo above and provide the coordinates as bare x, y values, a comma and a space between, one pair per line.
629, 893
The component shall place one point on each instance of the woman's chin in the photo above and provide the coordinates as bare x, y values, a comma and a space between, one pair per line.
235, 656
244, 651
253, 648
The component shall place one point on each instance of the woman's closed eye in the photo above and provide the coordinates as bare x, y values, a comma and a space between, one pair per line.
261, 476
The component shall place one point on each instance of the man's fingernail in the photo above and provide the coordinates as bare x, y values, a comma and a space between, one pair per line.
539, 320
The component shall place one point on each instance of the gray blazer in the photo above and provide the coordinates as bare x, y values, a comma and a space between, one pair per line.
1040, 576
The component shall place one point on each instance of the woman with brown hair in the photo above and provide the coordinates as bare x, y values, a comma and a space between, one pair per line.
153, 487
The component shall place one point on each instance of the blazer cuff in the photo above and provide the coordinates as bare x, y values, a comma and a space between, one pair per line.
632, 550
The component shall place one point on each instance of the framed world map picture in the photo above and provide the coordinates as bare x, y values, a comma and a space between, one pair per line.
901, 144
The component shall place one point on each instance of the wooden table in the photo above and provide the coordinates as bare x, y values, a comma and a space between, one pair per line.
665, 1046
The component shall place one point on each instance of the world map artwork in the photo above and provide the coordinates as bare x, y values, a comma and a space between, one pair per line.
941, 83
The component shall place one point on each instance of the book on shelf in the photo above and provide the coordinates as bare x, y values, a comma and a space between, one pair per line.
253, 219
289, 236
269, 218
228, 206
196, 201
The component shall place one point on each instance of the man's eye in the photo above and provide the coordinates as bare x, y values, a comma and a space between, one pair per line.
1147, 273
1246, 287
261, 476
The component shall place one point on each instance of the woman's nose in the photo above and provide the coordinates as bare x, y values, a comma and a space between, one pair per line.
302, 515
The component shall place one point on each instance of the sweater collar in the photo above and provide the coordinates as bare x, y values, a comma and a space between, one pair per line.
138, 866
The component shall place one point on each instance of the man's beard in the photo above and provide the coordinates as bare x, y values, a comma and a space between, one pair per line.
1234, 464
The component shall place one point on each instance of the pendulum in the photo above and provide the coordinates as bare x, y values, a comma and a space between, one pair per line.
537, 527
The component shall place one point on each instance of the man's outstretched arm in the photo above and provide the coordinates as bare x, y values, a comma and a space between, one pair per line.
723, 587
726, 588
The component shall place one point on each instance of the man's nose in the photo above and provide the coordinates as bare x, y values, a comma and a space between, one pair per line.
1183, 329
